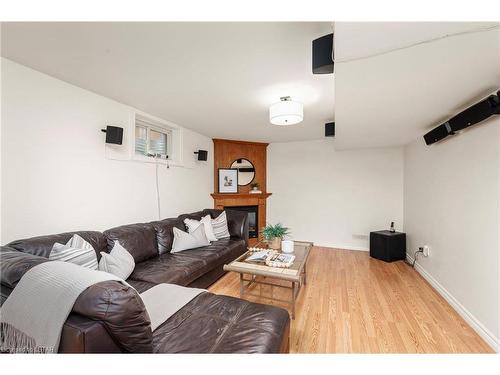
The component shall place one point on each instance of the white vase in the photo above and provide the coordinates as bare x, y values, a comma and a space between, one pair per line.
287, 246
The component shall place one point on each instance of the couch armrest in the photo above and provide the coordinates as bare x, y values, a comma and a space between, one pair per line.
83, 335
121, 312
237, 222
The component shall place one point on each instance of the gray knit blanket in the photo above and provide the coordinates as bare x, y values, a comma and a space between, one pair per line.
32, 317
164, 300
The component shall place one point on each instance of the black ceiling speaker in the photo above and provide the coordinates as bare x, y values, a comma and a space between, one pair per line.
330, 129
471, 116
114, 134
322, 55
202, 155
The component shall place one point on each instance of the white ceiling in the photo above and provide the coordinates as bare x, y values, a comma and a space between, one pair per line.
394, 98
220, 78
215, 78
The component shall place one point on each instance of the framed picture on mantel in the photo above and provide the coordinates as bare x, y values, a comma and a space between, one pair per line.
228, 180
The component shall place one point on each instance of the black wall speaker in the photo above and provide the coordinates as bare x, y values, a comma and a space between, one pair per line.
438, 133
474, 114
471, 116
330, 129
114, 134
322, 55
202, 155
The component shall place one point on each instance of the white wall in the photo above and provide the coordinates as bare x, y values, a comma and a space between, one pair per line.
334, 198
452, 192
55, 176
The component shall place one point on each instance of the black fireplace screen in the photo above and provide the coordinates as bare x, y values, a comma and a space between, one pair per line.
253, 218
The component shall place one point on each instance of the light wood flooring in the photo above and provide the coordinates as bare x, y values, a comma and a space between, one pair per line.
355, 304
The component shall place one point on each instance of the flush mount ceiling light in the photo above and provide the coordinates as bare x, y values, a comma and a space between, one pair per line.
286, 112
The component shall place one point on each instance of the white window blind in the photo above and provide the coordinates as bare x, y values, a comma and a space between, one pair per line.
151, 140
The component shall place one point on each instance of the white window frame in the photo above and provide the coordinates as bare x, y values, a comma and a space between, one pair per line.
149, 128
174, 139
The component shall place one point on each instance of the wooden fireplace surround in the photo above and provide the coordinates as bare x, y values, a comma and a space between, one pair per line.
225, 153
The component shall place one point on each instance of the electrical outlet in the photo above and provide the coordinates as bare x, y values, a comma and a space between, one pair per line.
427, 251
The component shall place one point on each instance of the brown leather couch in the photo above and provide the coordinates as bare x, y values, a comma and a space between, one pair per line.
110, 317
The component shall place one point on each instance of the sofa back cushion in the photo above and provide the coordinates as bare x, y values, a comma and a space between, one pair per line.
194, 215
138, 239
165, 234
42, 245
15, 264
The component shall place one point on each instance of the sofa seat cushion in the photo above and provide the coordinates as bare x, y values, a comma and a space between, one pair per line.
139, 240
168, 268
220, 324
185, 267
218, 252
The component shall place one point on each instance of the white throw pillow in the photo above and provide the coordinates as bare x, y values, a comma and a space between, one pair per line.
185, 241
192, 224
118, 262
219, 226
77, 251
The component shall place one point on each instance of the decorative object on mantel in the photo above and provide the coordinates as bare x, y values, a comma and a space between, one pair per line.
255, 188
228, 180
274, 234
392, 230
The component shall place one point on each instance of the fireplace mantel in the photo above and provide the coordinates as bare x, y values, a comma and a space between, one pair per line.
239, 195
244, 199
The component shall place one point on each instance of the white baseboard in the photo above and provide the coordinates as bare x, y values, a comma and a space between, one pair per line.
476, 325
344, 247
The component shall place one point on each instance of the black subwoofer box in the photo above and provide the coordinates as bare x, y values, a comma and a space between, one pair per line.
388, 246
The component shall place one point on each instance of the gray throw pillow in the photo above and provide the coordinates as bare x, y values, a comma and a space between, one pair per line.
219, 226
185, 241
118, 262
206, 221
77, 251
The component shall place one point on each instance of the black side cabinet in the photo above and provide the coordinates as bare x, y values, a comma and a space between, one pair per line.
388, 246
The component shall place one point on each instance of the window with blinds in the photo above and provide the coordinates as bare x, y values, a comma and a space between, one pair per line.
150, 139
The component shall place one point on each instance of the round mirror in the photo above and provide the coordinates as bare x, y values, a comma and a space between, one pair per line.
246, 171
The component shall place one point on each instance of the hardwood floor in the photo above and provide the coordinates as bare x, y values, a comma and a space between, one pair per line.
355, 304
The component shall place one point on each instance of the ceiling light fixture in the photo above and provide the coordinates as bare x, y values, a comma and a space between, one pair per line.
286, 112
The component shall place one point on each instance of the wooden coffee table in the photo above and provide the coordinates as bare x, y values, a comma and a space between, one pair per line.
261, 274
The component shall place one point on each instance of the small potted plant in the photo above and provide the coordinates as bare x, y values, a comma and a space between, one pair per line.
274, 234
255, 188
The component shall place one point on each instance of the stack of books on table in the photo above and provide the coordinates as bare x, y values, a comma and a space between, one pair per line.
280, 260
259, 256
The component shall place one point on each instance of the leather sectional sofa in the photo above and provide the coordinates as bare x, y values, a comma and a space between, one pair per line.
110, 317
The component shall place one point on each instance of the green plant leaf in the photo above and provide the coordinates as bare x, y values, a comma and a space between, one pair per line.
275, 231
